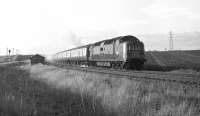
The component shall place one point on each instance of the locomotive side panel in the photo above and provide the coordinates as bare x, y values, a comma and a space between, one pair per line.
108, 49
106, 52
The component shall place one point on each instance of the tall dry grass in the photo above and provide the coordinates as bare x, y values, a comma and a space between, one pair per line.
21, 95
122, 96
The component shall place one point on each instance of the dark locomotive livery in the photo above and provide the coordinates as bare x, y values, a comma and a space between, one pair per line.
120, 52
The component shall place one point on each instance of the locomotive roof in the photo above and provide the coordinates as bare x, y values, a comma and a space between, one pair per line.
107, 41
120, 38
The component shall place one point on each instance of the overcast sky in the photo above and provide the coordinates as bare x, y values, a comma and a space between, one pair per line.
47, 26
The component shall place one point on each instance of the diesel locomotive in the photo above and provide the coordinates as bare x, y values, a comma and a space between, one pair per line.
121, 52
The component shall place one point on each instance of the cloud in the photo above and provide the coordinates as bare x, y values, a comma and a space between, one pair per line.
75, 40
182, 41
45, 25
164, 10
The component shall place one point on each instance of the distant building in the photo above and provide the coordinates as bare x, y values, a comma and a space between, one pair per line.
37, 59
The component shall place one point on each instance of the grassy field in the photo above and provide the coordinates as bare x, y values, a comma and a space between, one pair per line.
169, 60
43, 90
22, 95
123, 97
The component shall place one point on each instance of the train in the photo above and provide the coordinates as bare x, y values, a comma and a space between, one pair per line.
125, 52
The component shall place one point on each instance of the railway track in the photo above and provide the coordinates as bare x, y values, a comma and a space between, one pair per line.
187, 79
184, 78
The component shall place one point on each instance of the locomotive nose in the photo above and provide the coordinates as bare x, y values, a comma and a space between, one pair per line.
135, 55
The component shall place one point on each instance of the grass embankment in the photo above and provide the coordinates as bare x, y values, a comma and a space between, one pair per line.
21, 95
170, 60
121, 96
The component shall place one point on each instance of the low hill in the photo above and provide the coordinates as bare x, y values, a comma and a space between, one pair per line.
4, 59
168, 60
23, 57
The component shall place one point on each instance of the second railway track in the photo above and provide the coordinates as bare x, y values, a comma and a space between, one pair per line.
183, 78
